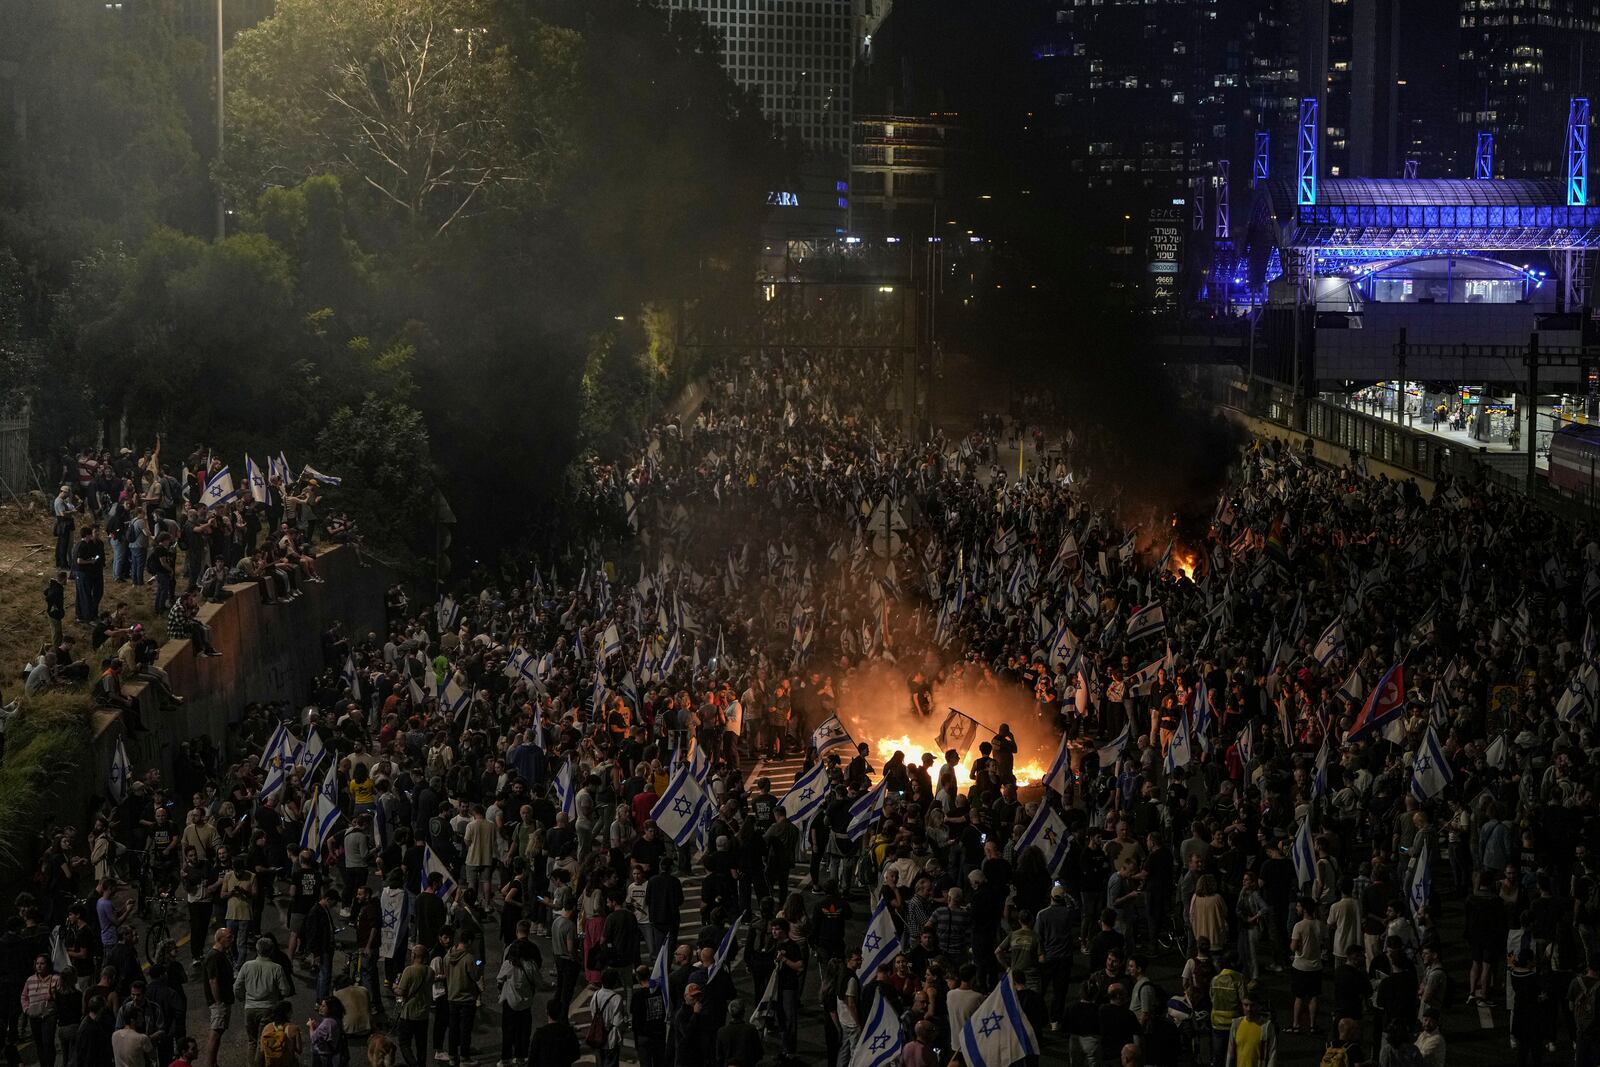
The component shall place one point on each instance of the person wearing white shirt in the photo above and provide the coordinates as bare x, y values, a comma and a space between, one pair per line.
1344, 921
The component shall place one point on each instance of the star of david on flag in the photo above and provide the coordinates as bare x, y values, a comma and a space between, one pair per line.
998, 1034
804, 799
881, 944
880, 1040
677, 813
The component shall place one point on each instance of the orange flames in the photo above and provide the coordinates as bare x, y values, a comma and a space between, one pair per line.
1027, 773
1183, 561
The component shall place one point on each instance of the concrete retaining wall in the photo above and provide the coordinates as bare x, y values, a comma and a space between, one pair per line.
269, 652
1325, 451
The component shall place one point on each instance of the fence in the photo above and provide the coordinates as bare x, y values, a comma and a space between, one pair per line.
15, 478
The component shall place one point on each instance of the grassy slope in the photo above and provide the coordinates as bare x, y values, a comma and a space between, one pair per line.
49, 738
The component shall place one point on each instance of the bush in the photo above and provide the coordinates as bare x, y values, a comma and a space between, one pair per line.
47, 744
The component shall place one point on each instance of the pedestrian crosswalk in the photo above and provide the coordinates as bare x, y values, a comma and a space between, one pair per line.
782, 774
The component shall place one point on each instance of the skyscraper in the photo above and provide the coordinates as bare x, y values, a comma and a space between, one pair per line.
1520, 62
798, 56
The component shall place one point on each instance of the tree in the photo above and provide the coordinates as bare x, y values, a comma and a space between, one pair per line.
441, 109
380, 451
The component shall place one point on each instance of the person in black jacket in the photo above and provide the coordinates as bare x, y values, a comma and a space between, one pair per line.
693, 1030
92, 1046
556, 1042
739, 1042
647, 1014
317, 939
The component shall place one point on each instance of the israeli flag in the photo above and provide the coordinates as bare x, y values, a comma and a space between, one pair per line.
804, 799
1421, 886
219, 489
1331, 643
998, 1034
1430, 770
1109, 753
1151, 619
311, 472
880, 1041
431, 864
320, 820
726, 948
660, 976
1202, 714
1319, 780
121, 773
630, 692
349, 679
455, 697
1247, 746
669, 657
866, 810
610, 643
1048, 831
255, 480
1303, 855
830, 735
278, 759
1181, 749
310, 753
566, 795
677, 813
1062, 648
1060, 772
699, 763
880, 946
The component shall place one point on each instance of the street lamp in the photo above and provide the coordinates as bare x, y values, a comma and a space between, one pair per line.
222, 223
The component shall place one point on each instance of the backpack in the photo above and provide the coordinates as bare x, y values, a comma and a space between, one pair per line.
598, 1036
1584, 1005
274, 1045
1334, 1056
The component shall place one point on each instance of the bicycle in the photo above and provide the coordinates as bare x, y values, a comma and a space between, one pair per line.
164, 912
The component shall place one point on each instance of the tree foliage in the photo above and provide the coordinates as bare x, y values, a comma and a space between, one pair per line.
442, 109
382, 454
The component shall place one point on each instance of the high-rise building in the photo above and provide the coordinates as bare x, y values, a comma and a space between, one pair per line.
798, 56
1520, 62
1355, 45
899, 172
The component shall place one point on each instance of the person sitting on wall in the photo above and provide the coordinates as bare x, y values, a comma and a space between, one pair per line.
182, 624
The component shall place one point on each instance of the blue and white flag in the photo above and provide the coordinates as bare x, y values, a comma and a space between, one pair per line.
121, 773
1420, 887
1048, 831
677, 813
1247, 747
277, 760
1150, 619
1109, 753
1060, 773
566, 792
830, 735
610, 643
998, 1034
804, 799
669, 656
349, 679
1180, 750
1430, 769
880, 946
321, 817
311, 472
448, 613
1331, 643
1319, 779
255, 480
880, 1041
1303, 855
660, 977
219, 489
726, 947
1144, 682
864, 813
1203, 718
432, 865
455, 697
310, 754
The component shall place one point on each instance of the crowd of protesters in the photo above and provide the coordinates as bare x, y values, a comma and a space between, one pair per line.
496, 760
